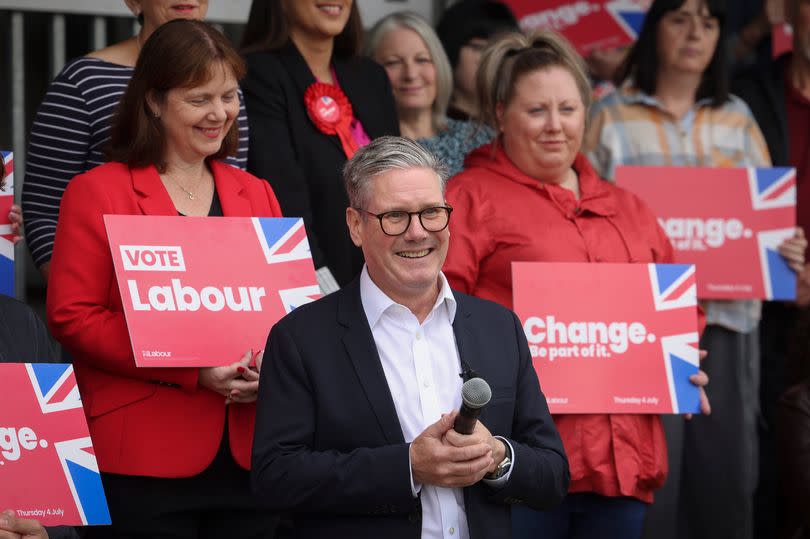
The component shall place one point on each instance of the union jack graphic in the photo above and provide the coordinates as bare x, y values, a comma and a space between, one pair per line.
295, 297
282, 239
6, 244
772, 187
673, 286
628, 14
60, 467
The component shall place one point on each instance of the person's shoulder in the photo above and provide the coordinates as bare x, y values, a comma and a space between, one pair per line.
485, 310
86, 70
12, 309
107, 177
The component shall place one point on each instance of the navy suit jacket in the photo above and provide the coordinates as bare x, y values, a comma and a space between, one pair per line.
328, 446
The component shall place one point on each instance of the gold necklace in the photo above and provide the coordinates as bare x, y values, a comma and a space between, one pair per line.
186, 191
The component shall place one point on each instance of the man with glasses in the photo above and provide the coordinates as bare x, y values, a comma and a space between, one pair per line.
354, 429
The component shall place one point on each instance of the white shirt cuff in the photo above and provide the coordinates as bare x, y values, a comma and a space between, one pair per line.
501, 481
415, 487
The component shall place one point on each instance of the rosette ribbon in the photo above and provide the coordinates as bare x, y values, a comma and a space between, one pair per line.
331, 112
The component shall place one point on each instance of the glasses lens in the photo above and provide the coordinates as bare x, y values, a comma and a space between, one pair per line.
395, 223
434, 219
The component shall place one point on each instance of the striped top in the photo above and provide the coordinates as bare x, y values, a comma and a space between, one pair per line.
629, 127
68, 137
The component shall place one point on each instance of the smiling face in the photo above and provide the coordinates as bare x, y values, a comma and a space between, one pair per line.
687, 38
405, 267
543, 123
157, 12
196, 120
317, 19
409, 65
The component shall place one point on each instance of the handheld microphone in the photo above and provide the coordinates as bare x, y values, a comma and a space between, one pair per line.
475, 394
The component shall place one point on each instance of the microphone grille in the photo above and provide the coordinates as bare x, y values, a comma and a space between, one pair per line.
476, 393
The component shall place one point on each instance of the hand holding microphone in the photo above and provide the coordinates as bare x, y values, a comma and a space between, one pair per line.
475, 394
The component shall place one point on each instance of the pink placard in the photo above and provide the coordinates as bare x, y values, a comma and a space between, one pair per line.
729, 222
611, 338
588, 25
48, 469
201, 291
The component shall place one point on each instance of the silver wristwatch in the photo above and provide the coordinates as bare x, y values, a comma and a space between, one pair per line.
504, 465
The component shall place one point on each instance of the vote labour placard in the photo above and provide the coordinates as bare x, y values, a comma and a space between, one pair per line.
48, 469
6, 244
201, 291
588, 25
611, 338
729, 222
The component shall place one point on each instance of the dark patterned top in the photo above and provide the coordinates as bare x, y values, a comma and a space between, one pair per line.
454, 143
68, 137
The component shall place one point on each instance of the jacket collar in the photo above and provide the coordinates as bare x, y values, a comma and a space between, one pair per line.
360, 347
595, 194
155, 200
351, 83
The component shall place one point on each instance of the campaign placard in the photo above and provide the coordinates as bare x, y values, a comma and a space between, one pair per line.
588, 25
729, 222
6, 237
48, 469
611, 338
201, 291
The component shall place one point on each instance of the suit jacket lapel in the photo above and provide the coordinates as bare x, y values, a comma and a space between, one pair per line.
303, 77
355, 88
359, 343
230, 191
153, 197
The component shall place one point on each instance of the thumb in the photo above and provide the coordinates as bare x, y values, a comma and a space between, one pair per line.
445, 423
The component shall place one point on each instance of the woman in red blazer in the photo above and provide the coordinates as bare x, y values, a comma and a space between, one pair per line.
173, 444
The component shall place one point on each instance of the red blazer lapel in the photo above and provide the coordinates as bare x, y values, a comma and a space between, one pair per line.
153, 198
232, 194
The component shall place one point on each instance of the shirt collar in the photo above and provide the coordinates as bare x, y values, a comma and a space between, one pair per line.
632, 95
376, 302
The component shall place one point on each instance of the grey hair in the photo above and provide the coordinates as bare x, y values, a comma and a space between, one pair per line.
444, 72
382, 155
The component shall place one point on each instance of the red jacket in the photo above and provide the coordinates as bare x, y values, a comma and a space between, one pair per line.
140, 424
500, 216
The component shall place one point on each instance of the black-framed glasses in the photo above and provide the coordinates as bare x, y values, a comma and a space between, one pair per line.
395, 223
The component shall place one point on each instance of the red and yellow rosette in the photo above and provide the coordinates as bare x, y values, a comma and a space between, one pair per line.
330, 111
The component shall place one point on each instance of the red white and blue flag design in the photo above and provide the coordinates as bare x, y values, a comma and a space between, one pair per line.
48, 469
729, 222
588, 25
202, 291
611, 338
6, 243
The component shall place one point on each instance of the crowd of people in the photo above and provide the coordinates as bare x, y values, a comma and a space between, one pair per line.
450, 153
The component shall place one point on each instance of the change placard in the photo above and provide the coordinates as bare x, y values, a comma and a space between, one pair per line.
48, 469
201, 291
588, 25
611, 338
729, 222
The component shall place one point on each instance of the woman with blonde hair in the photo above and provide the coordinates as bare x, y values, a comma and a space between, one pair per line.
531, 195
422, 82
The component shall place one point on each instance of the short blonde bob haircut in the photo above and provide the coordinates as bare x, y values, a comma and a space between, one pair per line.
444, 74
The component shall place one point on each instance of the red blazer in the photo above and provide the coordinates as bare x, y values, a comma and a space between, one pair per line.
141, 422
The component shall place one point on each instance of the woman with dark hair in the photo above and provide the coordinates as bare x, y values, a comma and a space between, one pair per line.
532, 196
673, 108
464, 30
173, 444
72, 127
312, 101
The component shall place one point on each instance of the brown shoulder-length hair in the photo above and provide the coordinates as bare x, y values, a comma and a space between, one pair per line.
2, 174
267, 29
179, 54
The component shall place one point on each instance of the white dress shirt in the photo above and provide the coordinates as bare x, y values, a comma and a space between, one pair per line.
422, 366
